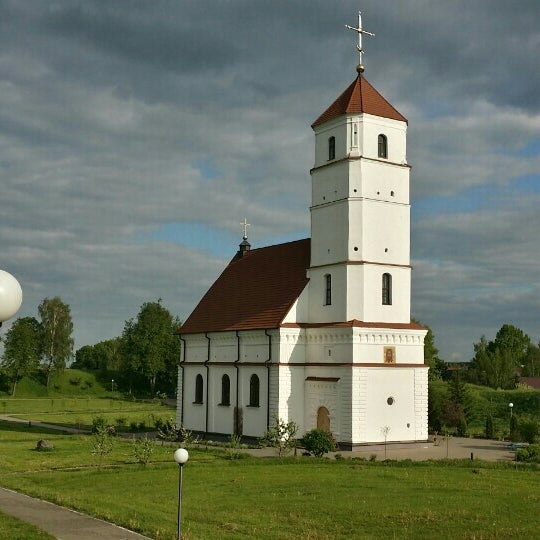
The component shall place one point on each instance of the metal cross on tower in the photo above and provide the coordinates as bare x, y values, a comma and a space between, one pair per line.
360, 30
245, 224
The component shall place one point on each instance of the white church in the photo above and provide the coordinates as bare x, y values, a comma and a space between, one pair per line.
319, 331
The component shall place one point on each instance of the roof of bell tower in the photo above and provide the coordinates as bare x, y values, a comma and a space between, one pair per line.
359, 97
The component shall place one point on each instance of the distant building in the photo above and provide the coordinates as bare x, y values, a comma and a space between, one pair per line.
319, 331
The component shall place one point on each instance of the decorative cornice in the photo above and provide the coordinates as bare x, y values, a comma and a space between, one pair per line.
359, 158
353, 263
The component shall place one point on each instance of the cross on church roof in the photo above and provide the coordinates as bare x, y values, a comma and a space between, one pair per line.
360, 30
245, 224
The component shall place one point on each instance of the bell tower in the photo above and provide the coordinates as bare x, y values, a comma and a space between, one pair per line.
360, 212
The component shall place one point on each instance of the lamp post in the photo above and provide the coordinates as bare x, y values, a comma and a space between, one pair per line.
10, 296
112, 385
511, 405
180, 456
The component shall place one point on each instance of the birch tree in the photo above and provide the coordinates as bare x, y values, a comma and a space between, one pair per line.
57, 328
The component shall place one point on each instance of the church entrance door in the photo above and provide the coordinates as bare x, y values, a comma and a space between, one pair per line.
323, 419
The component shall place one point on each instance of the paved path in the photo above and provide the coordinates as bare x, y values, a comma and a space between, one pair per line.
61, 522
453, 448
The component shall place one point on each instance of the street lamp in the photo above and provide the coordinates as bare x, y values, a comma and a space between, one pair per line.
10, 296
180, 456
112, 385
511, 405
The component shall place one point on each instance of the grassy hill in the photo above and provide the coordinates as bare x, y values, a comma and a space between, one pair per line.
69, 383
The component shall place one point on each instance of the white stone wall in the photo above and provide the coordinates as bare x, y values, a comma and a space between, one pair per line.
319, 393
397, 384
319, 312
396, 134
421, 403
194, 413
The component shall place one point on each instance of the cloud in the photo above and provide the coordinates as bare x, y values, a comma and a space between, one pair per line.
123, 130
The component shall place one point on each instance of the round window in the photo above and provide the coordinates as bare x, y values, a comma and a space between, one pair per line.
390, 400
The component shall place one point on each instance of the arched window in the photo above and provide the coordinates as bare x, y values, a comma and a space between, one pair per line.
331, 148
254, 391
225, 390
383, 146
386, 289
198, 389
327, 290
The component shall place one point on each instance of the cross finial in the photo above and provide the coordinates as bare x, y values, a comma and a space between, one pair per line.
360, 30
245, 224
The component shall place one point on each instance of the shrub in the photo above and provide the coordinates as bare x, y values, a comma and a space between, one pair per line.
529, 454
168, 431
121, 422
102, 443
75, 381
529, 429
318, 442
142, 449
98, 423
186, 436
281, 435
233, 446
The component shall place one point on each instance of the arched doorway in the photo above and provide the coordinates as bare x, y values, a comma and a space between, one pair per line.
323, 419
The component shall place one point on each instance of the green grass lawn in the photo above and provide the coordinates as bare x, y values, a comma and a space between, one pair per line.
15, 529
79, 412
279, 499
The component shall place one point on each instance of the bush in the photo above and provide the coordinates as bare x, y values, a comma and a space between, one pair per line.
142, 450
280, 436
233, 446
529, 429
102, 443
121, 422
318, 442
99, 423
529, 454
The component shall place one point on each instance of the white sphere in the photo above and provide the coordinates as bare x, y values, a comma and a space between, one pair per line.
181, 456
10, 296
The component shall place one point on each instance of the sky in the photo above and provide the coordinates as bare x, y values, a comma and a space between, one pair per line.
135, 136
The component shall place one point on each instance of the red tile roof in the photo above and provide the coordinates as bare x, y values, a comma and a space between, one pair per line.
255, 291
360, 97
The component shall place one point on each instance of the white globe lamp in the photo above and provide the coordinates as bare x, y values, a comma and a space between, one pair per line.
10, 296
180, 456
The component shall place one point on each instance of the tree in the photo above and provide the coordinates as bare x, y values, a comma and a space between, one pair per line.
22, 350
496, 362
511, 340
431, 356
280, 435
57, 328
149, 344
104, 356
85, 358
531, 362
